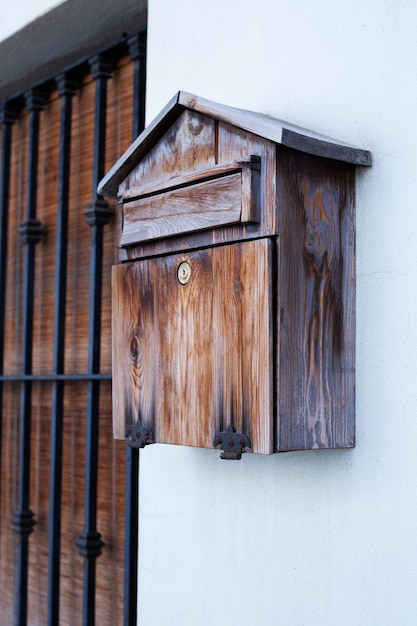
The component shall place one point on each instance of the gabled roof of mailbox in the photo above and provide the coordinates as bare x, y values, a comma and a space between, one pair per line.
257, 123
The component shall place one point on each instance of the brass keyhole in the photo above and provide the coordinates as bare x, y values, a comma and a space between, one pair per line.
184, 272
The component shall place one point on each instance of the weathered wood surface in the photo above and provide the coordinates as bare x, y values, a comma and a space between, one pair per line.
183, 180
187, 146
189, 360
277, 131
274, 130
200, 206
211, 203
234, 144
183, 196
316, 334
257, 192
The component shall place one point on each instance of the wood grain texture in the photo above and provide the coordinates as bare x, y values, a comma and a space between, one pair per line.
274, 130
188, 145
233, 144
316, 334
277, 131
208, 204
189, 360
250, 196
183, 180
304, 204
258, 197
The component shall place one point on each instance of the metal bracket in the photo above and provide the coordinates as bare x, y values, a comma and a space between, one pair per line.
254, 162
233, 444
139, 436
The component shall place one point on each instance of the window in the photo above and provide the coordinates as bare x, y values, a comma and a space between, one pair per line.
44, 357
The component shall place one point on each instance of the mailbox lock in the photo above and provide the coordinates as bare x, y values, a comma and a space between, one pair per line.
184, 272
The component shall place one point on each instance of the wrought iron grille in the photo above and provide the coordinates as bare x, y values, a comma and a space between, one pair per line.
57, 245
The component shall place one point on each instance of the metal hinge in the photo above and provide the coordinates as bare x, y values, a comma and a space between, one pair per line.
139, 435
234, 444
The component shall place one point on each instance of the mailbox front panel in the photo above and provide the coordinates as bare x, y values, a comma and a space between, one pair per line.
192, 345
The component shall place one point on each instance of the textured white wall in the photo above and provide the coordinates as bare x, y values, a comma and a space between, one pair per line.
323, 537
15, 15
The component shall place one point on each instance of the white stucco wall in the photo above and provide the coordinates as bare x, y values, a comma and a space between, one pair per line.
323, 537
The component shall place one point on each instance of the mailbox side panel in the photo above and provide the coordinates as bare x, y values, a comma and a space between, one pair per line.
191, 359
316, 302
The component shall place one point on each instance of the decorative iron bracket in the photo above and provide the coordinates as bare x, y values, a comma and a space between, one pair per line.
139, 436
31, 231
234, 444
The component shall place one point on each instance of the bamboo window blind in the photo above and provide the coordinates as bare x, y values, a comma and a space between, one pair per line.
111, 457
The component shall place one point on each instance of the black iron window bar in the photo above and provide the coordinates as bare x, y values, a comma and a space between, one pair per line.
97, 215
30, 232
67, 86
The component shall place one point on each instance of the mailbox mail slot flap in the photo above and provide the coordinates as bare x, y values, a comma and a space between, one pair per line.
223, 194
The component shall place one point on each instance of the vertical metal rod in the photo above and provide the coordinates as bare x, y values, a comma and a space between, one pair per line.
30, 232
97, 215
137, 50
7, 118
66, 87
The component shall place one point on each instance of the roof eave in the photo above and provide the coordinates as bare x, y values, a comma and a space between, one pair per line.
256, 123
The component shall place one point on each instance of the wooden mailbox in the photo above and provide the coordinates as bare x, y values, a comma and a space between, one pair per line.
234, 299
